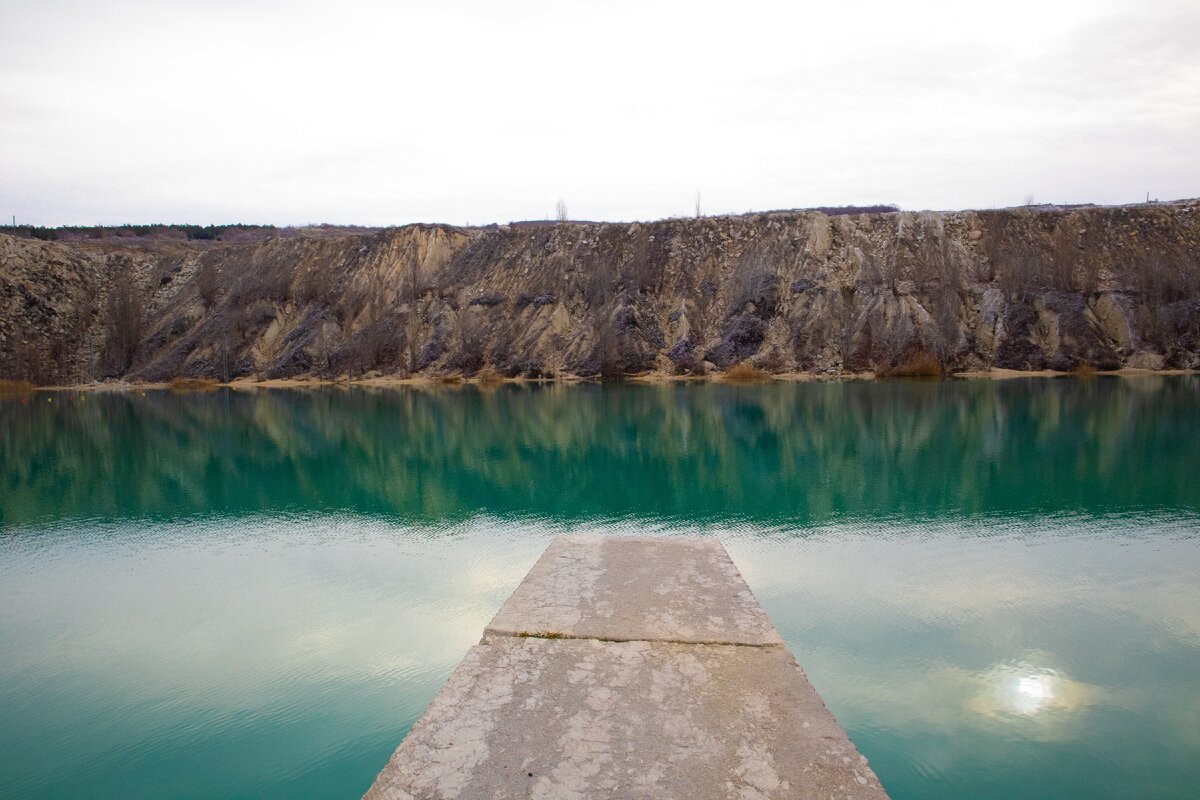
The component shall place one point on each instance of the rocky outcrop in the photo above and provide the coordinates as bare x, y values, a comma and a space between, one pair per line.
1027, 289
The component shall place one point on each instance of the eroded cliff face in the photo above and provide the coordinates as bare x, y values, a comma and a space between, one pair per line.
784, 291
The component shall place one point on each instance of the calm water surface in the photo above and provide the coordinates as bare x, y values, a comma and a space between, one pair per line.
994, 585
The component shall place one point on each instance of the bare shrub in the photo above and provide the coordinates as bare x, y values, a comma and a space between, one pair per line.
182, 384
921, 364
1084, 369
488, 375
743, 335
745, 372
8, 386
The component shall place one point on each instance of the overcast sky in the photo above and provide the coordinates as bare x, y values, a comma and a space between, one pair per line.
480, 111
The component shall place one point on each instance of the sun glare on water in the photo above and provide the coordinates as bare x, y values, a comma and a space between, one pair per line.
1026, 690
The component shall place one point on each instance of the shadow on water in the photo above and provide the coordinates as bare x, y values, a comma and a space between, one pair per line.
783, 454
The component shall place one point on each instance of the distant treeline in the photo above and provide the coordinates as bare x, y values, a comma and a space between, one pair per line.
834, 211
68, 232
829, 211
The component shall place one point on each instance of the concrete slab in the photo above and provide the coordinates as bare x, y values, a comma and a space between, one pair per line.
646, 589
628, 668
537, 718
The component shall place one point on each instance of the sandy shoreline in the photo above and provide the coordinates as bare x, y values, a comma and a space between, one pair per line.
245, 384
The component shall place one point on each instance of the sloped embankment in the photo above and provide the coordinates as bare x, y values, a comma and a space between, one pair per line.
785, 291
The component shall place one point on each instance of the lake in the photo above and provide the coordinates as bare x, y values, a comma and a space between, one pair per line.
995, 585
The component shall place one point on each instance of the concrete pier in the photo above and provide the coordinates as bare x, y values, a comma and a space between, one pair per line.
628, 668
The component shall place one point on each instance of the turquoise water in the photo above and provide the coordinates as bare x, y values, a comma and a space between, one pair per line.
994, 585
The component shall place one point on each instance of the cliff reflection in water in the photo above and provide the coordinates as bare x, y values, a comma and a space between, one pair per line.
777, 454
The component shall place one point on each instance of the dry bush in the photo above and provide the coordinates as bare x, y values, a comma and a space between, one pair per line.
488, 375
15, 386
181, 384
919, 365
1083, 369
745, 372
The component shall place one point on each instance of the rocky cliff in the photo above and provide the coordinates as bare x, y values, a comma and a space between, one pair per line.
1027, 289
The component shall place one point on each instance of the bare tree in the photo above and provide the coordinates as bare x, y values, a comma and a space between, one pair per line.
207, 283
753, 279
470, 336
375, 334
316, 283
124, 321
81, 334
560, 210
897, 333
1064, 253
412, 322
323, 346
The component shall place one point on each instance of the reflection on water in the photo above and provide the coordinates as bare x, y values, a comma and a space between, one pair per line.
993, 585
1026, 689
778, 454
1001, 657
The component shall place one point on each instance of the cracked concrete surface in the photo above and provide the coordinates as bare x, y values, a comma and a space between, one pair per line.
626, 589
656, 674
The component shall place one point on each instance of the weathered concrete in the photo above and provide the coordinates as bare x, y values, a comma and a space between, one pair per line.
653, 590
628, 668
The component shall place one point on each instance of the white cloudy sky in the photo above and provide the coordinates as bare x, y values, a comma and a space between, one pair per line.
478, 111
